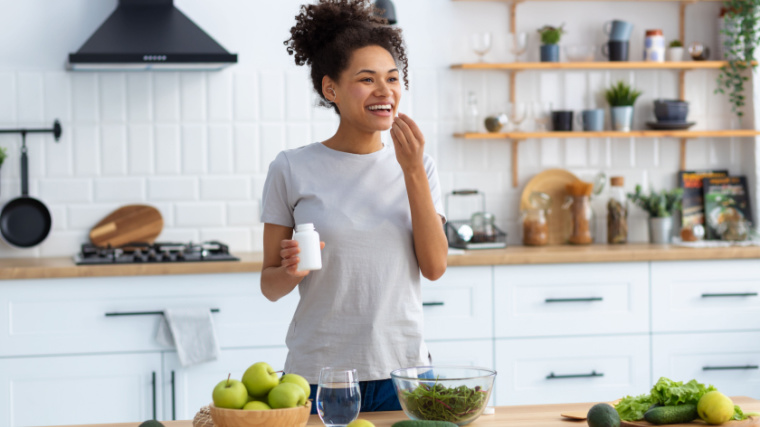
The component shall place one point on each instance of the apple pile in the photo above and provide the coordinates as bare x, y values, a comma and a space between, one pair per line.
261, 388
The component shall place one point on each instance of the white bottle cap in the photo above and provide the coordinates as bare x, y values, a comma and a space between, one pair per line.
307, 226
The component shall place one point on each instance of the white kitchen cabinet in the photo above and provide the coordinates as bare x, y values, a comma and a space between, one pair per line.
706, 296
571, 369
728, 360
458, 305
188, 389
82, 389
571, 299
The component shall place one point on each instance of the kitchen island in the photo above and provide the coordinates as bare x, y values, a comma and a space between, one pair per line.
505, 416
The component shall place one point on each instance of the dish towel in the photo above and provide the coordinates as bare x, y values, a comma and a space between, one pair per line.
191, 331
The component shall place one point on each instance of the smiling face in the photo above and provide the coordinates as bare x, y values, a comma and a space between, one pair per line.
368, 92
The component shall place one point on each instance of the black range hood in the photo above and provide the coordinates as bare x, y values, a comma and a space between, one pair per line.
149, 35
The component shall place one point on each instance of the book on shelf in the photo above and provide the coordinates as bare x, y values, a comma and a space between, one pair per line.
726, 200
692, 205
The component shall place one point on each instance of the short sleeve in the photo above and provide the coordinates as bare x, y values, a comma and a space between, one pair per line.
435, 185
276, 207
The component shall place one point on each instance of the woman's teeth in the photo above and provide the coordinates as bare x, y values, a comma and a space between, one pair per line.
380, 107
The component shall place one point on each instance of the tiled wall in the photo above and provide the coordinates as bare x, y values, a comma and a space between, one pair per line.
197, 144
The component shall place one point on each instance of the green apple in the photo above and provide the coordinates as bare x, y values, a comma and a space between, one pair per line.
259, 379
360, 423
255, 405
230, 394
286, 395
297, 380
257, 399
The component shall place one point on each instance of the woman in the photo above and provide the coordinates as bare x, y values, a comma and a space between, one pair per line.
377, 210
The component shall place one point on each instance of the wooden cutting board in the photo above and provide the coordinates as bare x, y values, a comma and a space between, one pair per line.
131, 223
749, 422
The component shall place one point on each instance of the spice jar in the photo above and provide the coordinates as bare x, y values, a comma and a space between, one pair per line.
483, 228
579, 204
617, 212
535, 220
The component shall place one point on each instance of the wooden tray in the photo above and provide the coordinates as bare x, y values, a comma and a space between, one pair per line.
749, 422
552, 182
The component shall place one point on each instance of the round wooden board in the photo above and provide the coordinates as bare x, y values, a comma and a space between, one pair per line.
552, 182
128, 224
749, 422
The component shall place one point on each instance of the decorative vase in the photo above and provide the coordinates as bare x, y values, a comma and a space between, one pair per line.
660, 230
550, 53
622, 118
675, 54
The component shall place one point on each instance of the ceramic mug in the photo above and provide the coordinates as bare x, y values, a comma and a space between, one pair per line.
591, 120
562, 121
615, 50
618, 30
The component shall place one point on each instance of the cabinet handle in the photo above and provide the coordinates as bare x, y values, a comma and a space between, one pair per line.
432, 303
153, 387
728, 368
573, 299
464, 192
174, 406
743, 294
551, 376
145, 313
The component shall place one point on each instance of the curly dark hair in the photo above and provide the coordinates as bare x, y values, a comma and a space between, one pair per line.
327, 33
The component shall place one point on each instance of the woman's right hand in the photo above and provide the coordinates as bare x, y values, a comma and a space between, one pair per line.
289, 253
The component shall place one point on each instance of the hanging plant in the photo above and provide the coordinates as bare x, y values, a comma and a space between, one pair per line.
741, 30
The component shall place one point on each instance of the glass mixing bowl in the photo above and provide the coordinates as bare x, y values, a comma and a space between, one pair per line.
580, 52
443, 393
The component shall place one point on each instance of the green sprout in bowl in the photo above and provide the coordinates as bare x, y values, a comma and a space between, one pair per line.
440, 403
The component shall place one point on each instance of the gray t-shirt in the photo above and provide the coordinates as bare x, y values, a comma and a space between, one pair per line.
363, 309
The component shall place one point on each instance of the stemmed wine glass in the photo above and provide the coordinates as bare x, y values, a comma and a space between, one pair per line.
541, 112
338, 396
481, 44
518, 44
516, 113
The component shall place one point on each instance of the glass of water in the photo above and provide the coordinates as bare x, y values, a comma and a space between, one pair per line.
338, 396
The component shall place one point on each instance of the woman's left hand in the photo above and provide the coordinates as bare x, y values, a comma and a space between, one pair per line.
408, 141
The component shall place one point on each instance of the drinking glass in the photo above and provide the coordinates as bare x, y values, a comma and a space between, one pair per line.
516, 114
481, 44
518, 44
542, 115
338, 396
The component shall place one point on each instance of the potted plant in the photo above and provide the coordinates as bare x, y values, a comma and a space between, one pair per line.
3, 155
550, 42
621, 97
675, 51
741, 34
660, 207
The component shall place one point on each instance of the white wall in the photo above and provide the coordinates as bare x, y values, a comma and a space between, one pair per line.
197, 144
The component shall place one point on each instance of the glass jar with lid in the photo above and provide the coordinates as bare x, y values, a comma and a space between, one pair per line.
535, 220
617, 212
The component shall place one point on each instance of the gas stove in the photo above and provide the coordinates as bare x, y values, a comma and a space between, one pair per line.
154, 252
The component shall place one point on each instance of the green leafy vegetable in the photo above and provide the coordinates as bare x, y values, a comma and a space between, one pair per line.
633, 408
439, 403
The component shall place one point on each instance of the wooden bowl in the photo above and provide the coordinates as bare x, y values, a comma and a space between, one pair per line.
290, 417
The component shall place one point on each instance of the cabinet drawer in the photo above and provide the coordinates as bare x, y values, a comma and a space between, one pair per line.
59, 316
458, 305
562, 370
728, 360
581, 299
705, 296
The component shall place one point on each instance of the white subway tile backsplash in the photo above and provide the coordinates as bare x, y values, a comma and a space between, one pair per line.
58, 216
198, 214
424, 90
85, 217
298, 95
58, 155
551, 153
84, 95
246, 96
57, 104
243, 213
670, 154
139, 97
8, 251
220, 152
166, 94
140, 149
298, 135
219, 96
113, 97
86, 150
29, 97
246, 143
65, 190
257, 238
194, 159
271, 95
166, 210
129, 190
63, 243
172, 189
7, 98
576, 91
237, 239
576, 152
272, 142
647, 153
193, 96
113, 144
232, 188
179, 235
623, 154
167, 148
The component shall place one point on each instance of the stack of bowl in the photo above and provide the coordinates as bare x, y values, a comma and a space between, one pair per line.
670, 114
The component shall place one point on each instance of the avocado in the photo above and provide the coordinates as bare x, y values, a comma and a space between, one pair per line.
603, 415
423, 423
672, 414
151, 423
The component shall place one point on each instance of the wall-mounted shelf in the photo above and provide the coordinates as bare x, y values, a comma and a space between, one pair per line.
593, 65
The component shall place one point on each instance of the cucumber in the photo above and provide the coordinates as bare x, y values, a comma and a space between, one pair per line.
672, 414
423, 423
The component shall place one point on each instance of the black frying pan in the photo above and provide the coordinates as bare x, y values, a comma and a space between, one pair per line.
26, 221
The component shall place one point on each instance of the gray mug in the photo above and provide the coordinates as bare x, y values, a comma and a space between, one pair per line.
591, 120
618, 30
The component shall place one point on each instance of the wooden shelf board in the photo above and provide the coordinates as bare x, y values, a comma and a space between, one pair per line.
592, 65
614, 134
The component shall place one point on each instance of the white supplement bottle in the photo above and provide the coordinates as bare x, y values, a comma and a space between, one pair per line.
308, 241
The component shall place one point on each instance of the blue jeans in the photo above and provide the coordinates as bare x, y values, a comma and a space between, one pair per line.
377, 396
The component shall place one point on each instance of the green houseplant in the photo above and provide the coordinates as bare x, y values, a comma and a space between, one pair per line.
550, 37
660, 206
621, 97
3, 155
740, 28
675, 51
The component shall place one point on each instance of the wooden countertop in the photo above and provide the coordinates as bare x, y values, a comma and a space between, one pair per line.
36, 268
506, 416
